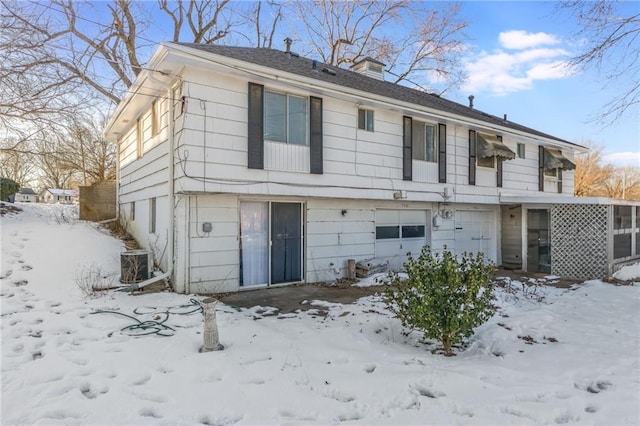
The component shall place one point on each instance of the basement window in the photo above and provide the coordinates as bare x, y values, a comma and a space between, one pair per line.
152, 216
387, 232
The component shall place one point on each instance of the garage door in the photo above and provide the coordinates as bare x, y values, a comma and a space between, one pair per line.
476, 232
400, 232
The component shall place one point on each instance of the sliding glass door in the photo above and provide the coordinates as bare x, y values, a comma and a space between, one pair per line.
270, 243
254, 243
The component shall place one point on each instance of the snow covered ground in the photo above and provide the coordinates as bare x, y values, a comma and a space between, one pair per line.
573, 358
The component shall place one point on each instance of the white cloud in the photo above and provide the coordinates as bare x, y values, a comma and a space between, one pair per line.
536, 54
501, 72
628, 158
551, 70
524, 40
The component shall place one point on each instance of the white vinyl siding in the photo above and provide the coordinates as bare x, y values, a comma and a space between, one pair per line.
353, 159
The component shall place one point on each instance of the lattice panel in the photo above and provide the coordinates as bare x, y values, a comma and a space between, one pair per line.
579, 240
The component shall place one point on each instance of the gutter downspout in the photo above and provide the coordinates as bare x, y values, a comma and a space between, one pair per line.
171, 203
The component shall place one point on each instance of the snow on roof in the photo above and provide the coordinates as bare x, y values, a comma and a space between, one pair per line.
26, 191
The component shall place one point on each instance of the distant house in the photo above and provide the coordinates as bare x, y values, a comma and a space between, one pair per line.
26, 195
60, 196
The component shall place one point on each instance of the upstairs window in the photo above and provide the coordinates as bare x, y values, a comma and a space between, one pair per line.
286, 118
487, 162
365, 119
491, 148
521, 150
139, 135
155, 117
424, 141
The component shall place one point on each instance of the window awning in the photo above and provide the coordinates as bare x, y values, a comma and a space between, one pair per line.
489, 146
553, 159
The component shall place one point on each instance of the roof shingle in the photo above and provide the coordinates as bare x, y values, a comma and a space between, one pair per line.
292, 63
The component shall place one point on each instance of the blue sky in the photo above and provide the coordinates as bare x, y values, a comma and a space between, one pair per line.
514, 62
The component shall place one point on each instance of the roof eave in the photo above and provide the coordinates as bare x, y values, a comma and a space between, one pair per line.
304, 82
151, 80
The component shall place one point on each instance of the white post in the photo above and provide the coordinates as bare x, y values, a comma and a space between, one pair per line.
211, 342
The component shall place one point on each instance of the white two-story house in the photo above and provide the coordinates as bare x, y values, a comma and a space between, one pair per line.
252, 167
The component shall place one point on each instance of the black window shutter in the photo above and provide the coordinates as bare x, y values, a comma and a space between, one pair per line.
407, 148
442, 153
499, 167
255, 140
315, 126
472, 157
540, 168
560, 181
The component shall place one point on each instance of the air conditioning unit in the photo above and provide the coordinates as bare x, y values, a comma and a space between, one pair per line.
135, 266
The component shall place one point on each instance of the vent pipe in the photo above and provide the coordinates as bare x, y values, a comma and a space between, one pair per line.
471, 97
287, 45
505, 117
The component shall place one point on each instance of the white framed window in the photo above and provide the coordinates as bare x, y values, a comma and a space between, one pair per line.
152, 215
155, 117
489, 162
365, 119
286, 118
521, 150
139, 134
425, 141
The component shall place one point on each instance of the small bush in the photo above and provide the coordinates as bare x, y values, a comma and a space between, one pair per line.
91, 280
8, 187
445, 297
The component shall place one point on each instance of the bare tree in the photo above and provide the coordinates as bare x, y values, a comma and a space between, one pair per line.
55, 171
85, 151
624, 183
421, 43
18, 166
63, 50
63, 61
206, 20
611, 32
265, 18
591, 174
594, 178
